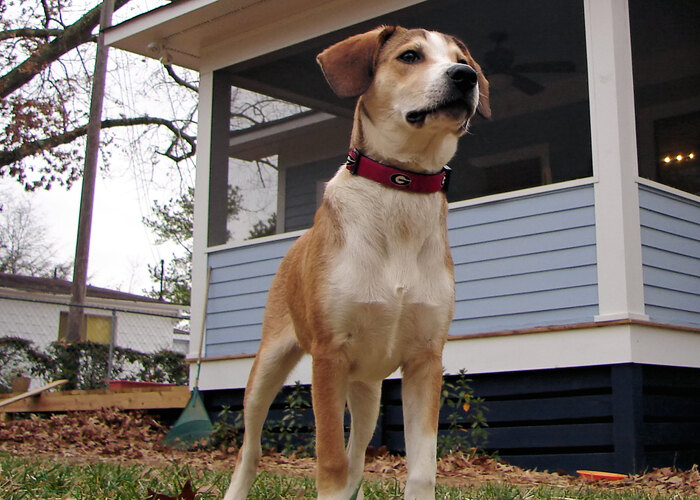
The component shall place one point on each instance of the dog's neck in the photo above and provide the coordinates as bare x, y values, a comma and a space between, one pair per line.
423, 149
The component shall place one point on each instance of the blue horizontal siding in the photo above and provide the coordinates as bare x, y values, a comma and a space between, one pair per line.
670, 229
238, 333
566, 316
233, 348
525, 262
519, 263
240, 279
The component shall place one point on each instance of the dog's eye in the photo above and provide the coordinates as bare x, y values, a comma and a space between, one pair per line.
410, 57
462, 61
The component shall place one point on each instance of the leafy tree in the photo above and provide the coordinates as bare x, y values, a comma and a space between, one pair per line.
45, 88
46, 51
264, 228
174, 222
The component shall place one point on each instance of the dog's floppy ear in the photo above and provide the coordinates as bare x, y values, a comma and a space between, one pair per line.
349, 65
484, 107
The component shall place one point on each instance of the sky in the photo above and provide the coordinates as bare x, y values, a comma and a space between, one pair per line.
121, 246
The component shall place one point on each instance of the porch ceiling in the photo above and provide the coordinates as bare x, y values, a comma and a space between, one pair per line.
185, 29
291, 73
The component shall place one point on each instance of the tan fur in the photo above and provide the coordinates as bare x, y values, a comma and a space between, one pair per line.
370, 287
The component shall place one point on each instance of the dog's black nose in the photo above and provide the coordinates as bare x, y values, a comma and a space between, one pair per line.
463, 76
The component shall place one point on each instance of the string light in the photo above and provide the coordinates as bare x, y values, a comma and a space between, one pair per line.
679, 157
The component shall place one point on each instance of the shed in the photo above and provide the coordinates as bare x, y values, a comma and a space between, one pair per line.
574, 217
36, 309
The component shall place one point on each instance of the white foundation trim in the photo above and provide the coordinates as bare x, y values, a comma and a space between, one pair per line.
592, 346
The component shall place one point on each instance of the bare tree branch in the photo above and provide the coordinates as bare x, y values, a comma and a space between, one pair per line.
74, 35
30, 33
178, 80
47, 13
31, 148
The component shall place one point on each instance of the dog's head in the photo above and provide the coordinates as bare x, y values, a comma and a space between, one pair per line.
409, 80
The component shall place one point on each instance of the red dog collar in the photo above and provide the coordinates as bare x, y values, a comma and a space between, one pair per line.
358, 164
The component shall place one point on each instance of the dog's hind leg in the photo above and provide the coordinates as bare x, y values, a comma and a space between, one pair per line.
277, 356
363, 400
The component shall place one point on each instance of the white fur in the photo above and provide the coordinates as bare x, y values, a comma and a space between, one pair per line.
392, 261
388, 289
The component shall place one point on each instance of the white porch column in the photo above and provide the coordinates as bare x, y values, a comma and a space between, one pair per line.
201, 205
614, 147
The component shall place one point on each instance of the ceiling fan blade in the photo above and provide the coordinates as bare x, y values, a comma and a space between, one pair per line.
546, 67
525, 84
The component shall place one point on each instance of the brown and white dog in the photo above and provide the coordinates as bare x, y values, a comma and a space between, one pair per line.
370, 287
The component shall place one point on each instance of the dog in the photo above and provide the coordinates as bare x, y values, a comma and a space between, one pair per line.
370, 287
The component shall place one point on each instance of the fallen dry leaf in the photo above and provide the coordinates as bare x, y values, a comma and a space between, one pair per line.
133, 437
186, 494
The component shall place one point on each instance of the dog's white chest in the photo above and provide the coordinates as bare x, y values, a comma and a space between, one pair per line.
390, 286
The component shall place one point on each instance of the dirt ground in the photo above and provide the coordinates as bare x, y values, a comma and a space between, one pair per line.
131, 437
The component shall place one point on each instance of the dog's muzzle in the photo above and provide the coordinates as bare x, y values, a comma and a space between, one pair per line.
458, 99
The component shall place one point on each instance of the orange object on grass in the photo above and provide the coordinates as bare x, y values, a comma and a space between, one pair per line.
597, 475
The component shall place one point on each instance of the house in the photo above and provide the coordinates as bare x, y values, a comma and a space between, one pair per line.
574, 218
36, 309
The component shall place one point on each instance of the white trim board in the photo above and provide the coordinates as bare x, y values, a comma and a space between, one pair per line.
614, 344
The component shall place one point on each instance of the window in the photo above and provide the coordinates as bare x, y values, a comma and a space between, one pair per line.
94, 328
533, 54
665, 51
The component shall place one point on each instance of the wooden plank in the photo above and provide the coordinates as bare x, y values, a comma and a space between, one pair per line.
170, 397
548, 436
252, 316
250, 253
232, 348
523, 227
668, 204
522, 206
31, 393
672, 435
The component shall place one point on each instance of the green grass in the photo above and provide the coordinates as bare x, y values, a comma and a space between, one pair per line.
22, 478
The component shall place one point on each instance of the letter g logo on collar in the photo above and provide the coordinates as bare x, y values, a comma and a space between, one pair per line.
400, 179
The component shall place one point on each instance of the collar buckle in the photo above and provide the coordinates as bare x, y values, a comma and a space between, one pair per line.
353, 161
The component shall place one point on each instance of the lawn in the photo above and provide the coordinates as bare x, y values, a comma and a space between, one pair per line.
25, 478
119, 455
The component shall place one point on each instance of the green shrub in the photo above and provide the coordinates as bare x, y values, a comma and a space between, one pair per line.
465, 416
84, 364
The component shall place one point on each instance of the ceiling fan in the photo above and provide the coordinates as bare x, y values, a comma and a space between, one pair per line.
500, 60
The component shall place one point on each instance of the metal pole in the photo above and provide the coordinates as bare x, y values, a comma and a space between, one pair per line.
82, 246
162, 275
112, 343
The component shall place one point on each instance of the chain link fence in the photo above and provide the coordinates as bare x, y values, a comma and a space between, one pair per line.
119, 340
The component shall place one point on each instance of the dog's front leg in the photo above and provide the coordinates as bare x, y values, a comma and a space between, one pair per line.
329, 392
421, 384
363, 401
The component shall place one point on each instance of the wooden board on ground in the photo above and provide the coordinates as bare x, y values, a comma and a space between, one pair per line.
162, 398
31, 393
